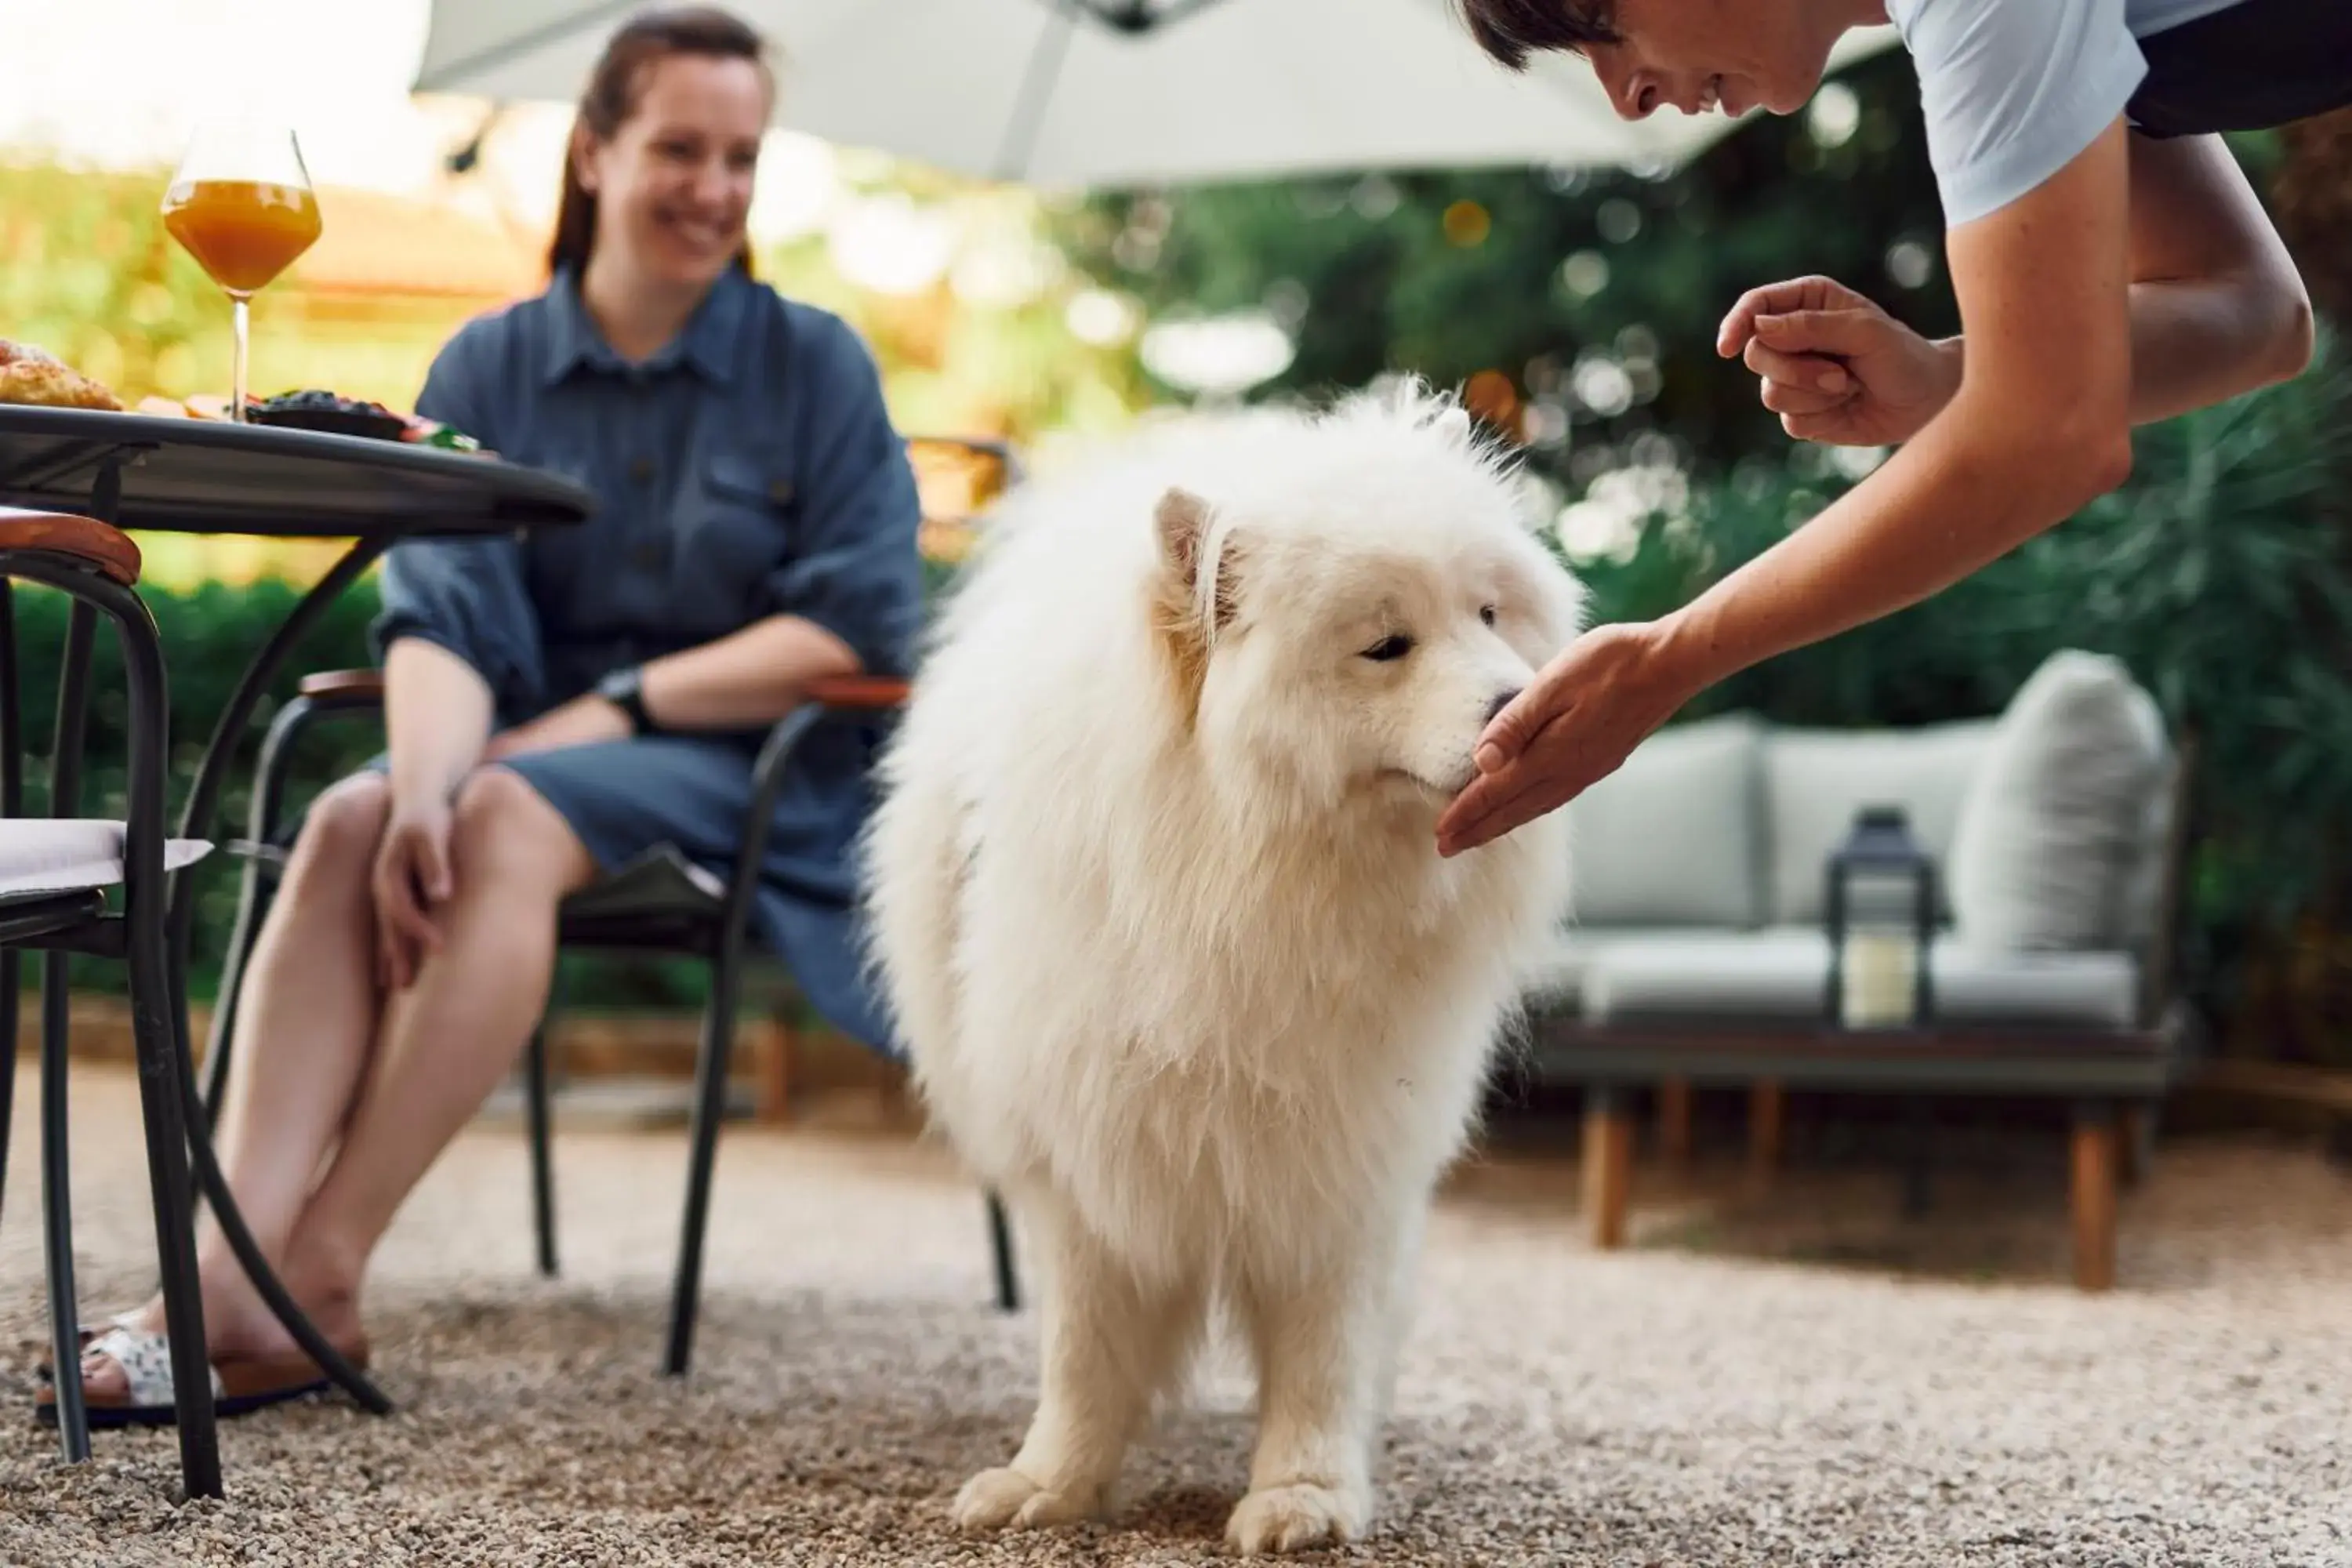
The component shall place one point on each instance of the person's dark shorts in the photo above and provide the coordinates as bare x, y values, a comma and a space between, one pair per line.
2257, 65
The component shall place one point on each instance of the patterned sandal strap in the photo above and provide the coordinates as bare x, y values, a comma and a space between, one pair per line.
146, 1362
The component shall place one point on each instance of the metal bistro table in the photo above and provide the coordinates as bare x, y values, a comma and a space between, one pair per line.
169, 475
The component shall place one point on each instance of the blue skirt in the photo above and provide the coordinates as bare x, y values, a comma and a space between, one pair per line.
622, 799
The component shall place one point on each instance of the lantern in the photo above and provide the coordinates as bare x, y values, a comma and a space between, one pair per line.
1881, 916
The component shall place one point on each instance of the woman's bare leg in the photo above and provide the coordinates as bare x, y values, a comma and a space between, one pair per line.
303, 1037
449, 1039
299, 1079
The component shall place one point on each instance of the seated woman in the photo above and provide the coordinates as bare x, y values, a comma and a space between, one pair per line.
557, 704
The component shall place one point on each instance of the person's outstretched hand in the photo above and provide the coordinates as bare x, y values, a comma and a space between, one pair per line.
1835, 367
1574, 725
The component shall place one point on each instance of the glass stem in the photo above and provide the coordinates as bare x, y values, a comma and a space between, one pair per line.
236, 376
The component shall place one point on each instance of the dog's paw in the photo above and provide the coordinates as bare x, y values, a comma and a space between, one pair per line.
1007, 1499
1294, 1518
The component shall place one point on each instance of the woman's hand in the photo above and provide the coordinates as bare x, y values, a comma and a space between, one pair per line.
577, 722
412, 874
1835, 367
1574, 725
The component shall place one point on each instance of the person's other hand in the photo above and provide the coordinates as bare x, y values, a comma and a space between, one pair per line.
411, 875
1835, 367
1574, 725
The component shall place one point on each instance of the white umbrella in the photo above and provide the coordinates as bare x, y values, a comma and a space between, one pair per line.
1105, 93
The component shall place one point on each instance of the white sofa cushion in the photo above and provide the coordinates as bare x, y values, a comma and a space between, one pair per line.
1778, 977
1673, 837
1816, 781
1556, 981
2052, 840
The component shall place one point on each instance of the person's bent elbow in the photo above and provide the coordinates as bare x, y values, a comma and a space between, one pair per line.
2084, 456
2106, 463
2290, 336
2055, 469
2055, 461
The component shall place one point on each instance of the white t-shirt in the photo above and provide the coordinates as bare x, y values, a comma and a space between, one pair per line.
2013, 90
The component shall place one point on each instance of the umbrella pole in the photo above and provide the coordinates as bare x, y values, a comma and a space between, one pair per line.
1036, 89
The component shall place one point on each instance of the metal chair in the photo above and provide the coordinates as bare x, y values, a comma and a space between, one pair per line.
54, 872
660, 904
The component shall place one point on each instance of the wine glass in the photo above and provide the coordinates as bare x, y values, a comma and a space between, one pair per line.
241, 204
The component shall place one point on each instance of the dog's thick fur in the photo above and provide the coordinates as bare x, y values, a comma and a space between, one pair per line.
1156, 904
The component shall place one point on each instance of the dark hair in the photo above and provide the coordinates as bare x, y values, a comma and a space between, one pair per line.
1511, 30
611, 97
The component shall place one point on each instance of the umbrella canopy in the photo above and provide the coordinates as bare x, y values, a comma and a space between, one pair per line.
1108, 93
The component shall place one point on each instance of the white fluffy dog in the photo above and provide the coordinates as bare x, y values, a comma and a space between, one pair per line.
1156, 901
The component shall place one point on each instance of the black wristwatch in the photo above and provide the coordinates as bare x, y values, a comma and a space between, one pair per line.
625, 690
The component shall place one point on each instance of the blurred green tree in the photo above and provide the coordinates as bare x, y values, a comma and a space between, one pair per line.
1577, 305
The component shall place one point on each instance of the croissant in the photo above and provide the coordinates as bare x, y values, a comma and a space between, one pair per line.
34, 376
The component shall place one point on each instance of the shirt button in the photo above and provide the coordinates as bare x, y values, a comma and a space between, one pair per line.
641, 471
648, 556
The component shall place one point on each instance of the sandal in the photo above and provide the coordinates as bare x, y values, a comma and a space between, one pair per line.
84, 1338
239, 1384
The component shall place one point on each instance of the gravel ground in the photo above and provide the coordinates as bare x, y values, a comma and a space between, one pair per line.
1801, 1380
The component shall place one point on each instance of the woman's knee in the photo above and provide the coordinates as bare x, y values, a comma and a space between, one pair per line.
501, 821
337, 845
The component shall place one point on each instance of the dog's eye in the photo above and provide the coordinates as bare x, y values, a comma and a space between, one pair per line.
1486, 613
1390, 648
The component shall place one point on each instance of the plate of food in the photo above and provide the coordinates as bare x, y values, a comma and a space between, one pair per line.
315, 409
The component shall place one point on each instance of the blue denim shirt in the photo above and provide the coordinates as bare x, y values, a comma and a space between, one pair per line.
746, 470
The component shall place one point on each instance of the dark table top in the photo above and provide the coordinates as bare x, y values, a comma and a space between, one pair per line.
209, 475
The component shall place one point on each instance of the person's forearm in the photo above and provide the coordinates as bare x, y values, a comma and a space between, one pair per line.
437, 714
748, 677
2202, 341
1944, 505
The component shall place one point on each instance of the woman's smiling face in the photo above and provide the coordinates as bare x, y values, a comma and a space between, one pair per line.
674, 182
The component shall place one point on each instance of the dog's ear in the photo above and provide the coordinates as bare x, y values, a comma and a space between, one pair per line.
1182, 523
1182, 520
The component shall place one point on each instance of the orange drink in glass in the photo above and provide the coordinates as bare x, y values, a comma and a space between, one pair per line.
241, 204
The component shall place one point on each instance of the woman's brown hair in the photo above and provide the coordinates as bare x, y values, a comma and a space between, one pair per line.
611, 97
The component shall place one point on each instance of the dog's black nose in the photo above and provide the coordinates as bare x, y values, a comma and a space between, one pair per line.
1500, 703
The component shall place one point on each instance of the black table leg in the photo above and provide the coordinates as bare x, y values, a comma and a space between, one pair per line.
196, 822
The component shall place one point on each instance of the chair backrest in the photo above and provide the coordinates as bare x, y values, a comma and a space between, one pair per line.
96, 564
84, 539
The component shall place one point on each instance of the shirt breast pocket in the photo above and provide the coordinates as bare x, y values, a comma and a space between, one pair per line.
743, 529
